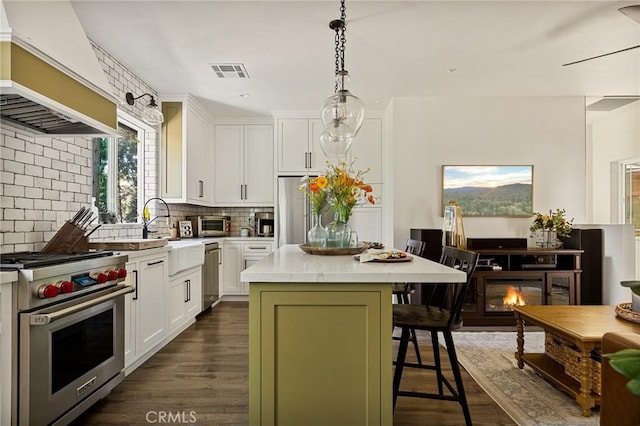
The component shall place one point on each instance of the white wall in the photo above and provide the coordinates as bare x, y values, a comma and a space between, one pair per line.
548, 132
614, 137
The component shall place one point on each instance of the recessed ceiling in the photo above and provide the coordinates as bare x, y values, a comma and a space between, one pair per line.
393, 49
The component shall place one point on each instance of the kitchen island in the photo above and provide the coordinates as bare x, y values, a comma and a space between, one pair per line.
320, 347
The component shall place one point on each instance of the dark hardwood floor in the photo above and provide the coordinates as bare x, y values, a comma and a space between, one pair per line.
202, 378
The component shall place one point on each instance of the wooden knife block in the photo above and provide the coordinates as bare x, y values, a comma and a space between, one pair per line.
69, 239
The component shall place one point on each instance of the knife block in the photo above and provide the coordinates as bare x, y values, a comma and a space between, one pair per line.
69, 239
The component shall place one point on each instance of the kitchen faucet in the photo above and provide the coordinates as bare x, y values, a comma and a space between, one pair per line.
146, 216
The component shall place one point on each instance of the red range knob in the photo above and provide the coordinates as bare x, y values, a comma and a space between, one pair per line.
112, 275
122, 273
47, 290
99, 277
64, 287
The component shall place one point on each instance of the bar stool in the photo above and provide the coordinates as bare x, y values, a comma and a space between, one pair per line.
403, 291
440, 312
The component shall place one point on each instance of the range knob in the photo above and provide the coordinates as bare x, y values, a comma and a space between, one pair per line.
112, 275
122, 273
64, 287
47, 291
99, 277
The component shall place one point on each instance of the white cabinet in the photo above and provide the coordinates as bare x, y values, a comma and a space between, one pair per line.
186, 152
145, 311
367, 222
231, 268
238, 256
6, 346
185, 298
298, 146
243, 164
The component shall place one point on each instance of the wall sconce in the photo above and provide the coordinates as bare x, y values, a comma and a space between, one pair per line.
150, 114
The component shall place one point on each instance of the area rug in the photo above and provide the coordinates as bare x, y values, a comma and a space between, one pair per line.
489, 358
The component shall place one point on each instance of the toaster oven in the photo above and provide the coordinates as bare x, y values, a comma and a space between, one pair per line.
210, 226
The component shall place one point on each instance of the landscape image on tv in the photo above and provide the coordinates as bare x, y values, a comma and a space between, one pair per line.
489, 190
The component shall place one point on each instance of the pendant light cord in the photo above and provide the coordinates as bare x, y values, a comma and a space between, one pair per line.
340, 41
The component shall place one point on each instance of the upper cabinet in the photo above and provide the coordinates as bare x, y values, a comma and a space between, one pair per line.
299, 146
243, 165
186, 152
366, 150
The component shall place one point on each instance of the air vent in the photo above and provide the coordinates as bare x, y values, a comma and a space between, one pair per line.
230, 70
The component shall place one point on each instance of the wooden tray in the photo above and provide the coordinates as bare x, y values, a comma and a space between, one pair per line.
332, 251
623, 310
128, 245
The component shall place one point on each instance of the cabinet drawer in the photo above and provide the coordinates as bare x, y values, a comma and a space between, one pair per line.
257, 247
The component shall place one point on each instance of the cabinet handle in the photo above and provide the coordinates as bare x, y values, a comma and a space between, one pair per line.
242, 192
245, 264
257, 247
155, 263
306, 155
310, 160
245, 191
186, 291
200, 188
135, 295
189, 290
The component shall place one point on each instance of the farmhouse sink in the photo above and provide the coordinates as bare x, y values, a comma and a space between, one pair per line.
184, 255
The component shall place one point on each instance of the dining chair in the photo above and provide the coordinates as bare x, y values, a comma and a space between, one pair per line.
440, 312
403, 291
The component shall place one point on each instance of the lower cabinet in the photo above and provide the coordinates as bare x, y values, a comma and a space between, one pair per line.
145, 312
185, 298
236, 257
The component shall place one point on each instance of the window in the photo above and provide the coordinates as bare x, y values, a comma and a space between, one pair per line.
631, 179
117, 171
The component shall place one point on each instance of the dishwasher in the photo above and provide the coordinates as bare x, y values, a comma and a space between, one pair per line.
210, 275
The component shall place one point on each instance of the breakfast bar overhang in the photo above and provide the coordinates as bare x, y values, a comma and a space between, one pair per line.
320, 347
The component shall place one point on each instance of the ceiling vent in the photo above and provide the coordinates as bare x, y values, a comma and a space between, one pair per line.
230, 70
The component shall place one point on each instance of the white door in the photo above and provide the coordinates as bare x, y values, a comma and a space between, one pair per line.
258, 163
228, 170
293, 145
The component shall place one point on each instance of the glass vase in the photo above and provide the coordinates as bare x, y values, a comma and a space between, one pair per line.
317, 234
548, 239
338, 231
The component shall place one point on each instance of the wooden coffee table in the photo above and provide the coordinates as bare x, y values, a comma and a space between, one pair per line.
583, 327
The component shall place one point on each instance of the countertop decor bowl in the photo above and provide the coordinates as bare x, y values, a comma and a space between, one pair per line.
333, 251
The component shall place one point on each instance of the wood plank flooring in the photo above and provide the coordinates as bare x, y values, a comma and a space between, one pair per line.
202, 378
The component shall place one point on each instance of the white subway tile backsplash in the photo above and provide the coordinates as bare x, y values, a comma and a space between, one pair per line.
6, 177
7, 153
44, 183
51, 174
24, 226
14, 143
42, 204
59, 145
14, 238
24, 180
67, 157
59, 205
58, 165
13, 167
7, 226
51, 153
51, 195
24, 203
42, 225
33, 170
68, 196
34, 215
34, 149
34, 193
13, 190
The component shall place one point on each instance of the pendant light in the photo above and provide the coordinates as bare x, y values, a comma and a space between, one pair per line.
343, 113
151, 114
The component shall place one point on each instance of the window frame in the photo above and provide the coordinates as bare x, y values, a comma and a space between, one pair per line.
622, 190
112, 154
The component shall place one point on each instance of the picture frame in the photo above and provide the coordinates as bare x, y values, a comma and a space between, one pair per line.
489, 190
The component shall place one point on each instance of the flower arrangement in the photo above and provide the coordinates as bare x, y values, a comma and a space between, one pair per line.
316, 190
347, 189
554, 221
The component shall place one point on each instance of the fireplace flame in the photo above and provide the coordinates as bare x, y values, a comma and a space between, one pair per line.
513, 298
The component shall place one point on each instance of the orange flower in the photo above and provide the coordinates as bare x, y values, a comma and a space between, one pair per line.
371, 199
368, 188
322, 182
314, 187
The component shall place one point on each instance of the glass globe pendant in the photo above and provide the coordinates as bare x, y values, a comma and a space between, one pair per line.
343, 113
335, 147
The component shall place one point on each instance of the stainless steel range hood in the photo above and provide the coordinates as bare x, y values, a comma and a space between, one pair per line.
50, 80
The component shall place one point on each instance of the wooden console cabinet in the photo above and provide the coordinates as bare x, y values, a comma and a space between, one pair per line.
534, 276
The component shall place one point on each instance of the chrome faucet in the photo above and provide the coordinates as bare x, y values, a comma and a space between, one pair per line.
146, 216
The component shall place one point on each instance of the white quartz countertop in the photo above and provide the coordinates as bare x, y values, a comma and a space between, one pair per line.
290, 264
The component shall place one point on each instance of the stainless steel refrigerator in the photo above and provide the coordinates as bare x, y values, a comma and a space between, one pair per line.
294, 212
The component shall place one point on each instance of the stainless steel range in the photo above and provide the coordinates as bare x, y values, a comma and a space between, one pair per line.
70, 332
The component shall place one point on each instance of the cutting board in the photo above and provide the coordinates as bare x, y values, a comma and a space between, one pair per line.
129, 244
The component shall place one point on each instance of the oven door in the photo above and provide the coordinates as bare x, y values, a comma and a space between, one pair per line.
68, 352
